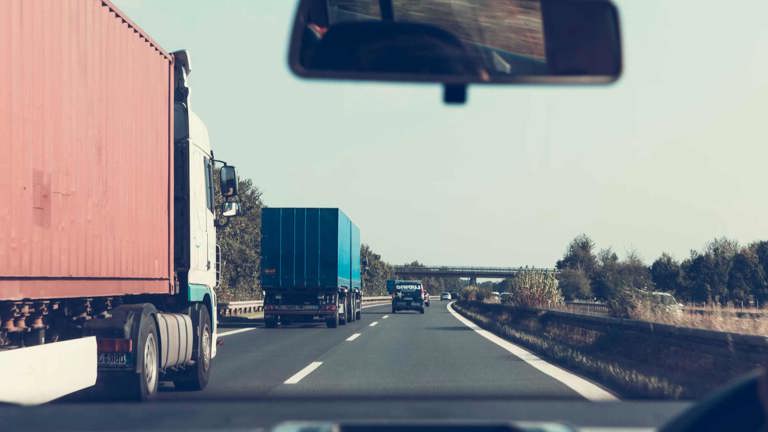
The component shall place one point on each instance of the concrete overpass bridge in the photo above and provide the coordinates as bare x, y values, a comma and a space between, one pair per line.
471, 273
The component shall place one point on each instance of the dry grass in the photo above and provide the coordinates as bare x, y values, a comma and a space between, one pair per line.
751, 321
710, 318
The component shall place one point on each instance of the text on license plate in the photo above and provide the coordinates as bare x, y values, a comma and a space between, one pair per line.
113, 360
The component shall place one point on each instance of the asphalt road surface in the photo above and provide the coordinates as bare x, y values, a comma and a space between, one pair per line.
387, 367
384, 354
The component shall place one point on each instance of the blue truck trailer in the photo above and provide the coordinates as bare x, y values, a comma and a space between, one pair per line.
310, 266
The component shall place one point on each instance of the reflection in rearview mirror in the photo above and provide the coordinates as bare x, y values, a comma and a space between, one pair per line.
458, 41
228, 181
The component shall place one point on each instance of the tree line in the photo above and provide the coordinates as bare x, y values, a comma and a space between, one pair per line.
723, 273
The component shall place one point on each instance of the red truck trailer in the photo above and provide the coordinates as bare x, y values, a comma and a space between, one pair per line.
107, 179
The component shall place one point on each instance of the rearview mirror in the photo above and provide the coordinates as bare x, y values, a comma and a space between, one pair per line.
230, 209
458, 41
228, 181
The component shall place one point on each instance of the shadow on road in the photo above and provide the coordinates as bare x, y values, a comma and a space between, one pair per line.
299, 326
240, 322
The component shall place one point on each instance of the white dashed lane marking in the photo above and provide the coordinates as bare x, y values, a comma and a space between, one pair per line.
303, 373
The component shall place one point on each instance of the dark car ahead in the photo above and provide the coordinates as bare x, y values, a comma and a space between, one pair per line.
408, 297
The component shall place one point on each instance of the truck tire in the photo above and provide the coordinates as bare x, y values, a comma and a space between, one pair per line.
343, 317
348, 313
270, 322
332, 322
194, 378
358, 315
352, 313
142, 386
421, 310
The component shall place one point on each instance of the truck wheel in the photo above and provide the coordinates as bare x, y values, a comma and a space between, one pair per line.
421, 310
343, 318
332, 322
142, 386
352, 313
196, 377
270, 322
358, 315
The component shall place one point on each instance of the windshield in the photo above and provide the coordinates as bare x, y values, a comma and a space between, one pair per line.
552, 220
665, 299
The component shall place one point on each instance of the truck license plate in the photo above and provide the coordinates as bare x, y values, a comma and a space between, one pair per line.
113, 360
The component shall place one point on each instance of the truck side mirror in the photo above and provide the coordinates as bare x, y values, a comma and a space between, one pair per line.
230, 209
228, 181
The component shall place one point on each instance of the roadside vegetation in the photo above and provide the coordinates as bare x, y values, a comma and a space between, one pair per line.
535, 289
713, 317
723, 273
240, 242
376, 274
476, 293
722, 286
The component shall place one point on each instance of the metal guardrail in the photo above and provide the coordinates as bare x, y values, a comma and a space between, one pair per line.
588, 308
602, 309
732, 312
240, 308
235, 308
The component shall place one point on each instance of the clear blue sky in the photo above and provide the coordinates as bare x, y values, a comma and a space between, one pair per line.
669, 158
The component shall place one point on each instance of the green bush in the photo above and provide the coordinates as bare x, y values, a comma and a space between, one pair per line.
475, 293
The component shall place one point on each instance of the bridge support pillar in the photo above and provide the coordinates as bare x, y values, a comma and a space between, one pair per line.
472, 281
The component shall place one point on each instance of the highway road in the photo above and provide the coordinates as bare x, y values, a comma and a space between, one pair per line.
384, 354
386, 367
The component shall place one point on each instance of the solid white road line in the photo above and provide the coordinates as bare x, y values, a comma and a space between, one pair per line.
232, 332
373, 324
376, 304
581, 386
353, 337
303, 373
385, 317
